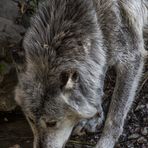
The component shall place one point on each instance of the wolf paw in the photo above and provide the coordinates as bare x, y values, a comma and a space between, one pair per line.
89, 125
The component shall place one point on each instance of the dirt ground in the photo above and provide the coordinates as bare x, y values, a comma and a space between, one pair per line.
15, 131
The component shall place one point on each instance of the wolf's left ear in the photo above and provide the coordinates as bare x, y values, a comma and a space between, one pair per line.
18, 56
68, 79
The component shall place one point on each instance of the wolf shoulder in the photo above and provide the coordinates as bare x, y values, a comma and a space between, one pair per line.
123, 23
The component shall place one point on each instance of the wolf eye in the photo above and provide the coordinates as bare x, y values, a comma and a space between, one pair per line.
51, 124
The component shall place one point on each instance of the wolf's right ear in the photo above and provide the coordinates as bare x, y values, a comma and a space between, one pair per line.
18, 56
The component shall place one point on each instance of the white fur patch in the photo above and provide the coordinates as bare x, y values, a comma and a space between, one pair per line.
69, 84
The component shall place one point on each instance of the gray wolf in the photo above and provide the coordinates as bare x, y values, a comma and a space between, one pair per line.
67, 50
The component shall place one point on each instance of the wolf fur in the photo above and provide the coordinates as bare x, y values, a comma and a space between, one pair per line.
68, 48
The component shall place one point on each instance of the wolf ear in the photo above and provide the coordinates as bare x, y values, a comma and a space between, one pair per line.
68, 79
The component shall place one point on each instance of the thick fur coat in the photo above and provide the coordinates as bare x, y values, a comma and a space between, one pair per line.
68, 48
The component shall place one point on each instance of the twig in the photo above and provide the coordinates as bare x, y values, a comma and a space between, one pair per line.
81, 143
122, 142
22, 138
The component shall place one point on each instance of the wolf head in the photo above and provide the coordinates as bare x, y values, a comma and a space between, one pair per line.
59, 76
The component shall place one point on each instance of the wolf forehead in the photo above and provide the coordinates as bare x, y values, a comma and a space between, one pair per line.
60, 27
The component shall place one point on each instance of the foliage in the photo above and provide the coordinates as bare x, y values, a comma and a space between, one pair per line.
33, 5
2, 68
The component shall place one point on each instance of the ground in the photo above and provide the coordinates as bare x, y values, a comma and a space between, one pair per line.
14, 129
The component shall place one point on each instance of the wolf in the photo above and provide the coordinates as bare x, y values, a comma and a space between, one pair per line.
67, 50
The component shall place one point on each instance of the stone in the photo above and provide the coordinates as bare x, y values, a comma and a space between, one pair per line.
7, 86
15, 146
141, 140
5, 119
144, 131
133, 136
139, 107
10, 33
9, 9
10, 36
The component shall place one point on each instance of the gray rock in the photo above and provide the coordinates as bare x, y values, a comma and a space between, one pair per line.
144, 131
7, 86
133, 136
146, 106
139, 107
9, 9
142, 140
10, 33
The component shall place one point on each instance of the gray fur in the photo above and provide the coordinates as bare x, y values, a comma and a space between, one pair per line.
68, 49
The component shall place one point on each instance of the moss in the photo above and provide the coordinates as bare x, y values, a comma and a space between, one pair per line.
2, 68
33, 5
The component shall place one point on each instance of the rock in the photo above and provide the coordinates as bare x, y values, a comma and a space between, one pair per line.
9, 9
144, 131
146, 106
142, 140
145, 119
139, 107
8, 82
130, 145
5, 119
10, 33
7, 86
134, 136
